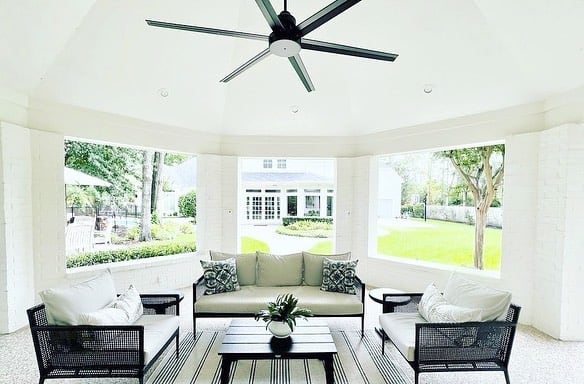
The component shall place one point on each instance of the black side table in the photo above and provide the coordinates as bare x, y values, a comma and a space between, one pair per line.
160, 301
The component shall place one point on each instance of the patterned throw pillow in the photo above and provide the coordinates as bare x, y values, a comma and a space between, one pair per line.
338, 276
220, 276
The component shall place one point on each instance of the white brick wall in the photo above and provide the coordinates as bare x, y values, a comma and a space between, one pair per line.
16, 260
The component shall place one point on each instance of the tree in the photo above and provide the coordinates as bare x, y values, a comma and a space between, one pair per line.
156, 180
146, 221
118, 165
482, 170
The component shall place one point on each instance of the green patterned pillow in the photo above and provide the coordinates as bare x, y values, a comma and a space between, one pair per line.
338, 276
220, 276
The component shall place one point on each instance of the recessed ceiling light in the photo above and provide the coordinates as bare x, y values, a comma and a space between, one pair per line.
294, 109
163, 92
428, 88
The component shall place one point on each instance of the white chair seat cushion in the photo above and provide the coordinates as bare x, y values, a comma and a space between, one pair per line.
250, 299
157, 330
400, 327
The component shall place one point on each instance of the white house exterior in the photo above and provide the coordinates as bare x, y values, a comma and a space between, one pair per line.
273, 188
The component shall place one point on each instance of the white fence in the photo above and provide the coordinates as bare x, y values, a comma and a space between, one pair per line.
464, 214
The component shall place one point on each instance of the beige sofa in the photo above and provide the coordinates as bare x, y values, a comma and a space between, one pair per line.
262, 276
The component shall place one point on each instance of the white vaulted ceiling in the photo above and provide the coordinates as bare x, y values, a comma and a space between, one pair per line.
478, 56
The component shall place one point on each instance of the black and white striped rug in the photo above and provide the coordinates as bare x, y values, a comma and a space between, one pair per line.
358, 360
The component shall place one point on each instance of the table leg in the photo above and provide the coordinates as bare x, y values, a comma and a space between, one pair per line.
225, 368
329, 370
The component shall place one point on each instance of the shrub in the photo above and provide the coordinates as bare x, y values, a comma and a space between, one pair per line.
307, 228
187, 204
286, 221
150, 249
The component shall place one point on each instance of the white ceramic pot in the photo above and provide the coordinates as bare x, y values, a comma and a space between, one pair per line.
279, 329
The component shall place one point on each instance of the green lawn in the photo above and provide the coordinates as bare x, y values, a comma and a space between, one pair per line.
322, 247
439, 241
249, 245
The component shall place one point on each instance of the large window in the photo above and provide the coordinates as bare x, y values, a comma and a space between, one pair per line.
106, 210
431, 206
289, 210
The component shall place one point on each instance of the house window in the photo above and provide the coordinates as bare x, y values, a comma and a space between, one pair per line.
292, 205
425, 209
256, 207
267, 163
329, 206
281, 163
312, 206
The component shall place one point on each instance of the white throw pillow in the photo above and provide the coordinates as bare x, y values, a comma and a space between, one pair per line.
493, 303
131, 303
430, 298
436, 309
126, 309
63, 305
104, 316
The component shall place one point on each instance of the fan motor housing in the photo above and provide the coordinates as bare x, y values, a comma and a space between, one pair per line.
286, 42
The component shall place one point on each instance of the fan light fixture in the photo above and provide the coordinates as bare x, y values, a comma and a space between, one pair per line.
287, 38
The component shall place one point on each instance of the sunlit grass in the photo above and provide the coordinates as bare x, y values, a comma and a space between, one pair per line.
249, 244
439, 241
322, 247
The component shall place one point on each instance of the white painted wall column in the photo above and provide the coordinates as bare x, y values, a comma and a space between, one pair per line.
16, 228
559, 265
217, 211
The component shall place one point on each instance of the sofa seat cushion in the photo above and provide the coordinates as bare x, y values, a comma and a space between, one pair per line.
250, 299
157, 330
400, 327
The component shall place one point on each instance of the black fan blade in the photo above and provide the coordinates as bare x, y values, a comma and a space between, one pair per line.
254, 60
324, 15
214, 31
323, 46
300, 69
270, 14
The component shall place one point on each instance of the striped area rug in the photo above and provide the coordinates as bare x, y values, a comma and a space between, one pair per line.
358, 360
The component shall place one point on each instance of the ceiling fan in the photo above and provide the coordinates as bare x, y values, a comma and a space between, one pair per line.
287, 38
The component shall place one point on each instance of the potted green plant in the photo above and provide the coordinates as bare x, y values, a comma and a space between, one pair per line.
281, 315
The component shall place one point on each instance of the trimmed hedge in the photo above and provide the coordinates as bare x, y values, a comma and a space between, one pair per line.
151, 249
286, 221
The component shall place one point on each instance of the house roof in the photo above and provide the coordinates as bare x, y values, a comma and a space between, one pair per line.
476, 55
282, 177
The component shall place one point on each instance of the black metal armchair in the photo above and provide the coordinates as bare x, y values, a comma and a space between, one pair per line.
470, 346
83, 351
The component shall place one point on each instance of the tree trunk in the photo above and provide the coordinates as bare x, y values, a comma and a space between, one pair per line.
480, 225
157, 179
146, 223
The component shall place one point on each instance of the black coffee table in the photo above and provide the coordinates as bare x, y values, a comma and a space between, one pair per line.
247, 339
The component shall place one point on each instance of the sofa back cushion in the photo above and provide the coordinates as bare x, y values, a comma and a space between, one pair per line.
493, 303
313, 266
279, 270
64, 305
245, 265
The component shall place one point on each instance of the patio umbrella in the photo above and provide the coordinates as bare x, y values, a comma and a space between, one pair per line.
75, 177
